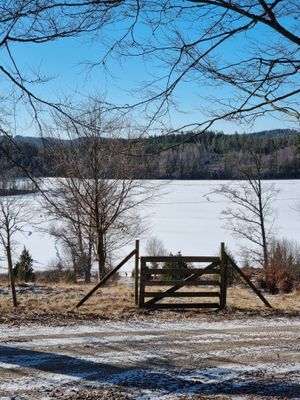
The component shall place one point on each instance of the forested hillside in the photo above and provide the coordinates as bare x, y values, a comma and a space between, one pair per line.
210, 156
218, 156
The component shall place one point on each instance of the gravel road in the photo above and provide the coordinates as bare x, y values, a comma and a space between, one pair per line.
189, 359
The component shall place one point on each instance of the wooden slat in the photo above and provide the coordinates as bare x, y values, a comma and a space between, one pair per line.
184, 294
181, 259
182, 305
187, 283
168, 271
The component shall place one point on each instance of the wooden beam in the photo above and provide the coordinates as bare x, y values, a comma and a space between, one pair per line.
181, 258
105, 279
136, 272
186, 305
180, 271
187, 283
257, 291
142, 285
223, 286
184, 294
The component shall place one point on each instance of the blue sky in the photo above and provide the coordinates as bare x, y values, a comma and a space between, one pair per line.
64, 61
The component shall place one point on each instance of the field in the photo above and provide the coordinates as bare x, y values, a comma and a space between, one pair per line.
38, 301
108, 349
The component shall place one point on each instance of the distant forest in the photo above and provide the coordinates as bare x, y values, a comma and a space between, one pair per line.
209, 156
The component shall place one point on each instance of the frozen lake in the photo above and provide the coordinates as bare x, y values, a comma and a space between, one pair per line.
185, 217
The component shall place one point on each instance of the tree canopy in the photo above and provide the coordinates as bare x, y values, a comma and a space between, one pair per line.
245, 51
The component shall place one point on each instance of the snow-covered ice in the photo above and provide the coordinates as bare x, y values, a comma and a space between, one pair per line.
186, 217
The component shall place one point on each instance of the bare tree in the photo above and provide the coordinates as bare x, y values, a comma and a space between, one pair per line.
188, 41
37, 22
180, 42
13, 217
99, 193
250, 214
155, 247
77, 244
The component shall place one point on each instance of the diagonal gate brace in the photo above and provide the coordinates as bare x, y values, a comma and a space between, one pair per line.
253, 287
179, 286
105, 279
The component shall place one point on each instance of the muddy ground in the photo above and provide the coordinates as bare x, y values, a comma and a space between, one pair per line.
256, 358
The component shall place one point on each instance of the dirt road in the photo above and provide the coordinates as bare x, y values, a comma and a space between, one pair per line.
251, 359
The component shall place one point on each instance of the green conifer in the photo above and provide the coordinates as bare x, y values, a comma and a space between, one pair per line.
23, 269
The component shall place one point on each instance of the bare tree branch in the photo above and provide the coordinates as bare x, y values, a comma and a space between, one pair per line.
250, 214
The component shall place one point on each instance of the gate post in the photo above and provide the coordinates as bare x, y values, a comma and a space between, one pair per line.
142, 284
136, 272
224, 270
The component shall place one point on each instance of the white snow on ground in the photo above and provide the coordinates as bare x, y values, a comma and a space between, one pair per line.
154, 359
142, 355
186, 217
143, 326
170, 381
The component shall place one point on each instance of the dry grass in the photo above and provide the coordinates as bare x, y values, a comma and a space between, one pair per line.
44, 302
61, 299
243, 298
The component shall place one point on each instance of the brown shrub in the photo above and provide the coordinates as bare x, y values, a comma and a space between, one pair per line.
282, 273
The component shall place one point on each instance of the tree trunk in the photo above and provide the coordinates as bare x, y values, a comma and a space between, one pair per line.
87, 267
87, 273
88, 264
11, 276
263, 230
101, 255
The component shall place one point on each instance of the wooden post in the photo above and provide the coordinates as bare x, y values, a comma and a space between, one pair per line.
142, 284
136, 272
11, 276
224, 270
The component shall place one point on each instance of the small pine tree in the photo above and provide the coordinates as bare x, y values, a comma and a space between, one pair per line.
23, 269
182, 266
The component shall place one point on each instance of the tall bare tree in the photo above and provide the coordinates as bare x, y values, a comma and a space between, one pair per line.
14, 215
100, 192
250, 214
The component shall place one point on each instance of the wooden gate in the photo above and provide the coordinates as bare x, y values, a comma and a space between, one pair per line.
203, 286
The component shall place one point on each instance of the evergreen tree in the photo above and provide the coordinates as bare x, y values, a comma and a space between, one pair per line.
23, 269
180, 265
